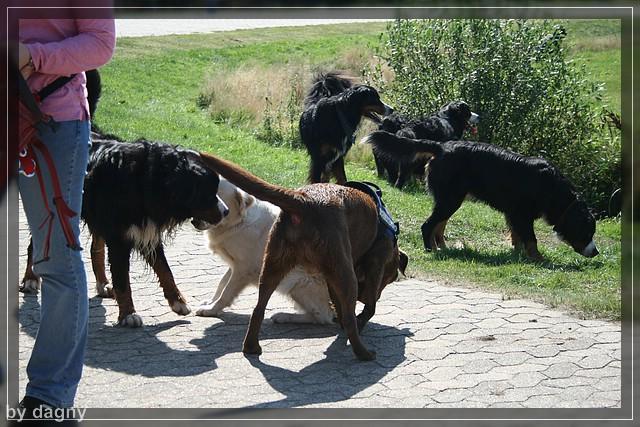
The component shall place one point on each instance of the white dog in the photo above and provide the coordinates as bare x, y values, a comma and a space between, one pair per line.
240, 240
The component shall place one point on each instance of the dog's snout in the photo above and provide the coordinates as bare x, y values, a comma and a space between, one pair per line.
474, 118
387, 110
591, 250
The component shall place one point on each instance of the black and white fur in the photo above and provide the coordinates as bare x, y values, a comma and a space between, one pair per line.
523, 188
332, 112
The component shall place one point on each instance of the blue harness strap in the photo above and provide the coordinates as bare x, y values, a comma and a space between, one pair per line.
389, 226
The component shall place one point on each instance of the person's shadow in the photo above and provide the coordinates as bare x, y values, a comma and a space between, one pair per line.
146, 351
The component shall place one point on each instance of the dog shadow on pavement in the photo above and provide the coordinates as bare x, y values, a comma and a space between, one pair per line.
164, 349
337, 377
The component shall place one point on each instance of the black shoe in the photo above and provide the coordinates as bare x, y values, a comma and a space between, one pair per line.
38, 412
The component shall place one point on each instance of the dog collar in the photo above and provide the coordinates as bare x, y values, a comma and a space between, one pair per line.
389, 226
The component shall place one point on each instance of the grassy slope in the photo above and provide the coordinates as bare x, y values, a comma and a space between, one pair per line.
596, 43
151, 87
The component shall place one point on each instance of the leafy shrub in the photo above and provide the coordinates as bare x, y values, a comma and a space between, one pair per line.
516, 74
279, 124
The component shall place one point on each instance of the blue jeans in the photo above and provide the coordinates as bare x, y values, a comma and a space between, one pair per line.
55, 366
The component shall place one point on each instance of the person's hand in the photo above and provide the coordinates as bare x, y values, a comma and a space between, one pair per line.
24, 61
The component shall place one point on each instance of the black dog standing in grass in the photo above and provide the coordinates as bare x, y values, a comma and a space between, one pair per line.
332, 112
448, 124
523, 188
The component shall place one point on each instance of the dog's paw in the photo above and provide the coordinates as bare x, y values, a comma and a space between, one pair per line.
30, 286
252, 349
207, 309
105, 290
132, 320
180, 308
366, 355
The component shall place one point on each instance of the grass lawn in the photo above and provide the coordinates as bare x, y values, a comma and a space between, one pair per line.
152, 88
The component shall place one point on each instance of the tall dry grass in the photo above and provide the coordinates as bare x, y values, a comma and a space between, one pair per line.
246, 91
269, 98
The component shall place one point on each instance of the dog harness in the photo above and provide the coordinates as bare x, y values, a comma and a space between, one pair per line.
31, 123
389, 226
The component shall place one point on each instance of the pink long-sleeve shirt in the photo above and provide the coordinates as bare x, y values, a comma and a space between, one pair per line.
61, 47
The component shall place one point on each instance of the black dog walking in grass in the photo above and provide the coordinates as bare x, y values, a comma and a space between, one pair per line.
332, 112
523, 188
448, 124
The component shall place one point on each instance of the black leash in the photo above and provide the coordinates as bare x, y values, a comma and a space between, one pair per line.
53, 86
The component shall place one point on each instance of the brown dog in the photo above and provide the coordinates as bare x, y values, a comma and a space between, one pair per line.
325, 228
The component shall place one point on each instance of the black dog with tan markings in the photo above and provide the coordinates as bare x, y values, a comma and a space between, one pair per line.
448, 124
332, 112
135, 194
523, 188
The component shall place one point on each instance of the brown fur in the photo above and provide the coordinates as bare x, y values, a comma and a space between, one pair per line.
327, 228
30, 280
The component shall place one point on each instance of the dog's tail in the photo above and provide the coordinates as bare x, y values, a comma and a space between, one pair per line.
291, 201
325, 85
397, 147
94, 91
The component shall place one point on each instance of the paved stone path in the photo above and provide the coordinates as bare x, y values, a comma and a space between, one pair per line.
437, 346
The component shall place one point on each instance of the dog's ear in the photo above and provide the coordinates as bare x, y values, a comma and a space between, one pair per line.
404, 261
244, 200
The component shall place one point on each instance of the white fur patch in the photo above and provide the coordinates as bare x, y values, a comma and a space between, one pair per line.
207, 309
104, 290
145, 239
31, 286
474, 118
589, 249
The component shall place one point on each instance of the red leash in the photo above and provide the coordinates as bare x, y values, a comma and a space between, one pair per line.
31, 121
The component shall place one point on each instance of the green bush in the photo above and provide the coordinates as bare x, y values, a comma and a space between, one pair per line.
517, 76
279, 125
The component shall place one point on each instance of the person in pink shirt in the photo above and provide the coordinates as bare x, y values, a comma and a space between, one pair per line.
48, 49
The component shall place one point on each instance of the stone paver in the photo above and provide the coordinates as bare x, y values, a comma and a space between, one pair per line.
437, 346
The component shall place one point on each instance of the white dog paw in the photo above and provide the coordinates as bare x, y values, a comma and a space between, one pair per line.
105, 290
180, 308
30, 286
132, 320
207, 309
283, 318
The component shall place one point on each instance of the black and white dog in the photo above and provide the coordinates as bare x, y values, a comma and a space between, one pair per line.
446, 125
